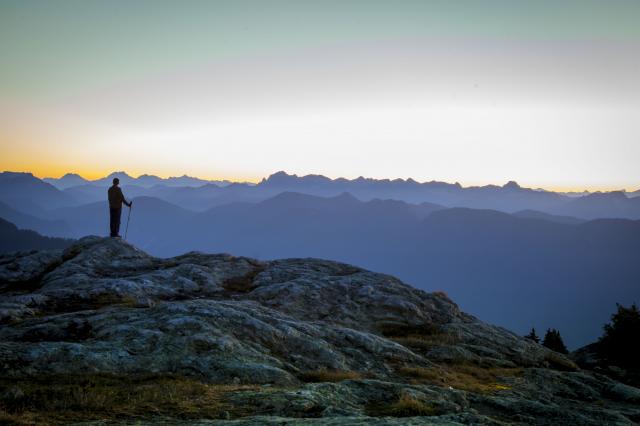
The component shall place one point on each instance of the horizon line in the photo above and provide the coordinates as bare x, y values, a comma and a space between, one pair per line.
558, 189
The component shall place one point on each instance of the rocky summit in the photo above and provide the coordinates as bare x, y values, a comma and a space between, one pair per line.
104, 333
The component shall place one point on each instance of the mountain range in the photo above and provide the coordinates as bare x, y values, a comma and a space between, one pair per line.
516, 268
200, 195
70, 180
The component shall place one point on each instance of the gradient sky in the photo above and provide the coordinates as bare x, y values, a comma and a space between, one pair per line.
543, 92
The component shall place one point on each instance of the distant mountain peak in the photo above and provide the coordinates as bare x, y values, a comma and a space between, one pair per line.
280, 174
284, 178
66, 181
512, 184
119, 174
611, 195
17, 174
278, 177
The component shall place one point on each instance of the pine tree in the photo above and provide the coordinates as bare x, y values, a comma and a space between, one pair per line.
533, 336
553, 341
620, 344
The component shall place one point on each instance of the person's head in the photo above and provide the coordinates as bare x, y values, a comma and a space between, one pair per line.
116, 181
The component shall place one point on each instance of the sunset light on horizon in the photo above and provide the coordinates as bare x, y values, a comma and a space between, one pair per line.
239, 90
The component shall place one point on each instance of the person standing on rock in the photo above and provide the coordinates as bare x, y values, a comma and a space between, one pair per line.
116, 198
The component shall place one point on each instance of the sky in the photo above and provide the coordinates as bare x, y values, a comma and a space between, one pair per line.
543, 92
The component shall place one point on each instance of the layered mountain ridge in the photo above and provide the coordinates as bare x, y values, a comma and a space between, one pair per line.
198, 194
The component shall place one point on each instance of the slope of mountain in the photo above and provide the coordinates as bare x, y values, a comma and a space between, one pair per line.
87, 193
155, 223
194, 198
243, 338
27, 193
499, 264
614, 204
532, 214
91, 193
67, 181
107, 181
14, 239
53, 228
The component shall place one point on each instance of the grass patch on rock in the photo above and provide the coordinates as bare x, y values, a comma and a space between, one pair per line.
467, 377
65, 399
325, 375
405, 406
418, 338
560, 362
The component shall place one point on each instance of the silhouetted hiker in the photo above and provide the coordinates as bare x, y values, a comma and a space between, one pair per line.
116, 198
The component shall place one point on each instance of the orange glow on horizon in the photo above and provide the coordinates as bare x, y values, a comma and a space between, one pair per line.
57, 171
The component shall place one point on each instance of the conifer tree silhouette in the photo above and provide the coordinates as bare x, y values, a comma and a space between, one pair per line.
553, 341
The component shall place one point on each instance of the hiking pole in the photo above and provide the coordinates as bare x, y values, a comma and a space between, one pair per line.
128, 217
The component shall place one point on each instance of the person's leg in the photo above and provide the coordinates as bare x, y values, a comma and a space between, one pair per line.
118, 213
112, 222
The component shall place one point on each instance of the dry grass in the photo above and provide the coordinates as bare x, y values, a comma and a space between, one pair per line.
441, 293
66, 399
406, 406
422, 344
468, 377
98, 301
560, 362
21, 419
324, 375
419, 339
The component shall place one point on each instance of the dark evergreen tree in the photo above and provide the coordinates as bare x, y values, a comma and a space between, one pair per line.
533, 336
620, 344
553, 341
